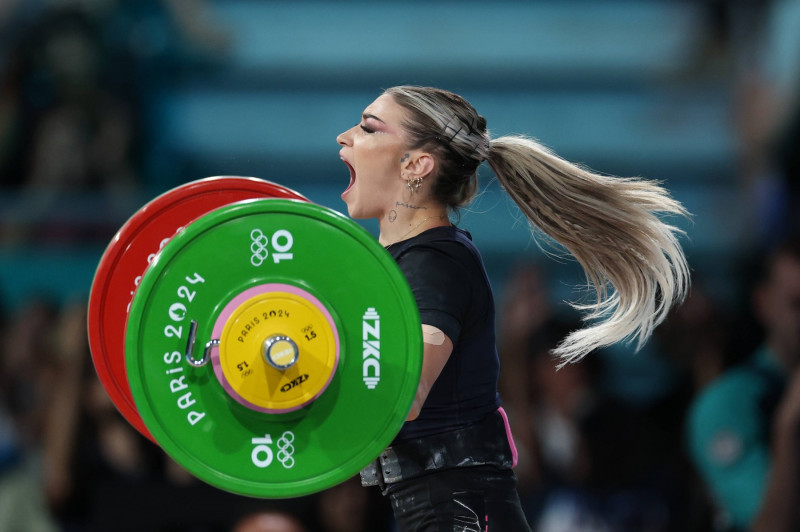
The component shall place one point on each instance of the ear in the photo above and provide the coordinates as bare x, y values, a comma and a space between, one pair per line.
419, 164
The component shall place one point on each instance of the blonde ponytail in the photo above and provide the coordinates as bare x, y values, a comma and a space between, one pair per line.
609, 224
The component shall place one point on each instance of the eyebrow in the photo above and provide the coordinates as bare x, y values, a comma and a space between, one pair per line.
366, 115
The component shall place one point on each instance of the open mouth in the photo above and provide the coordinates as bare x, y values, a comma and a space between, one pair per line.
352, 175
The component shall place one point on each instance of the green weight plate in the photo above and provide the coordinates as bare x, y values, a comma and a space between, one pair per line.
224, 254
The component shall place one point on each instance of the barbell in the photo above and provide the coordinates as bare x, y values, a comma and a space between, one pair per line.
270, 346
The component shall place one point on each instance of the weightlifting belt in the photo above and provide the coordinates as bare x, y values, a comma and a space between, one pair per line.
486, 442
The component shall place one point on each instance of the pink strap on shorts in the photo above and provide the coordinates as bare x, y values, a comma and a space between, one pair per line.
510, 437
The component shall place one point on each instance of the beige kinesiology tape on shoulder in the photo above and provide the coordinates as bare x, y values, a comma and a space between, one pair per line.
432, 335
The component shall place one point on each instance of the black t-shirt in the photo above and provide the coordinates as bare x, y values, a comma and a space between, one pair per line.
452, 291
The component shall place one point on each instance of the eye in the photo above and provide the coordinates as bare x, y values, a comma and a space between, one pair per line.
367, 129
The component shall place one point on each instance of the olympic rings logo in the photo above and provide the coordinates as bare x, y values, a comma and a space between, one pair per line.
286, 450
282, 242
258, 247
262, 453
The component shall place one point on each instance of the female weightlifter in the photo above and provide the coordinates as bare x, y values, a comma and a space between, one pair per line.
413, 160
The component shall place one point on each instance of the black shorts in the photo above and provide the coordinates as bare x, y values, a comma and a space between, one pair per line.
468, 499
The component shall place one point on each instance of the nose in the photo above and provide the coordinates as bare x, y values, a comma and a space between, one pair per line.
345, 138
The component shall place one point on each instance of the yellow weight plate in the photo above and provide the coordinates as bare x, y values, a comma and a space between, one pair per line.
278, 350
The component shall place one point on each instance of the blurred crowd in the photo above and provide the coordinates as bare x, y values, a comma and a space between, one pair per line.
688, 447
691, 433
77, 82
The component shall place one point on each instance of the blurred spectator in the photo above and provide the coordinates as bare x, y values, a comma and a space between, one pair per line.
26, 367
743, 428
766, 109
591, 458
63, 128
699, 338
87, 446
696, 338
59, 62
74, 93
349, 507
269, 521
600, 460
26, 376
612, 487
523, 316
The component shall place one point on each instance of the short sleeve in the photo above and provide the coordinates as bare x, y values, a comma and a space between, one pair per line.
727, 441
440, 284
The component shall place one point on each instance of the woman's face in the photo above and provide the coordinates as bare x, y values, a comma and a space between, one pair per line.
373, 151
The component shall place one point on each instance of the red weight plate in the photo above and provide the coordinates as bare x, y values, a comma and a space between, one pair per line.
127, 257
